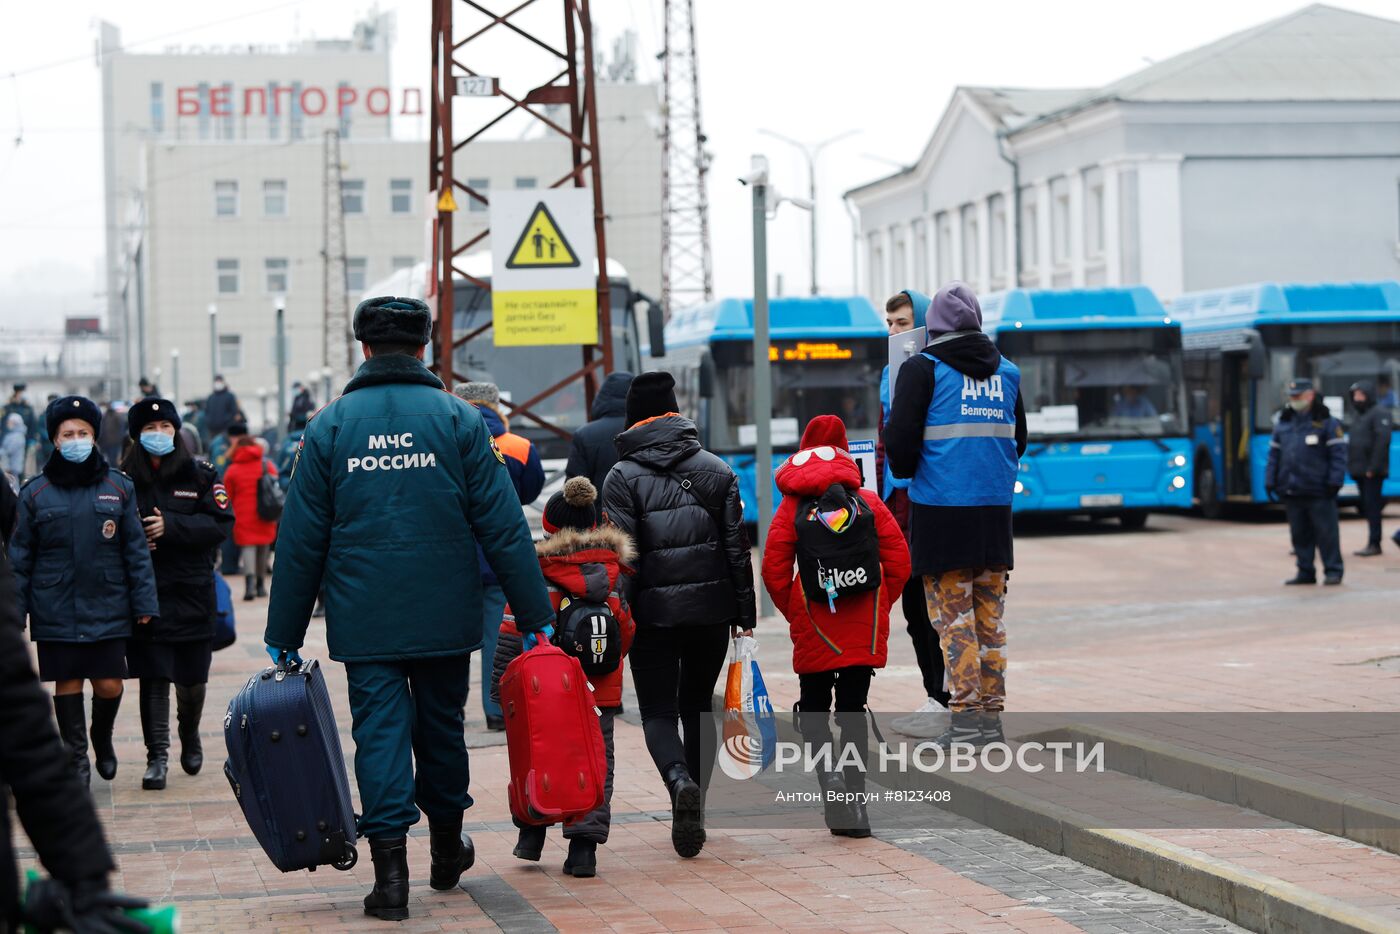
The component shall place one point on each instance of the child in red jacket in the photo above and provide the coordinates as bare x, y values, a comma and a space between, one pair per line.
580, 560
849, 550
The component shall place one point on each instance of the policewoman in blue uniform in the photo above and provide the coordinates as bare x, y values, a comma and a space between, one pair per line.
83, 576
187, 516
1306, 468
957, 430
396, 482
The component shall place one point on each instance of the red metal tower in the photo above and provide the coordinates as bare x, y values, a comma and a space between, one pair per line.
525, 88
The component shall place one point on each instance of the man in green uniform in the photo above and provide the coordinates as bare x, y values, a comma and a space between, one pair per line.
396, 482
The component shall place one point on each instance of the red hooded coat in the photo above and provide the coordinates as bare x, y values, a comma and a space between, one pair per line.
822, 640
579, 563
241, 478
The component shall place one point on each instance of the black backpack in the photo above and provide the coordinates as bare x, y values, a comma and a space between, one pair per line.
271, 497
590, 633
838, 548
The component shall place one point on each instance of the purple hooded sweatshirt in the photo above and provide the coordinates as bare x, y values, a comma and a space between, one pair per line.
954, 308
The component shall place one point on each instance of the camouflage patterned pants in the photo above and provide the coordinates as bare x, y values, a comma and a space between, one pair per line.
965, 607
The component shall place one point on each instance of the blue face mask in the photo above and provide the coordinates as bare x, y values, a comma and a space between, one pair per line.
76, 450
157, 443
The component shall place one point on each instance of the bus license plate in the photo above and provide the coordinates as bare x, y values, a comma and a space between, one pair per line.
1101, 499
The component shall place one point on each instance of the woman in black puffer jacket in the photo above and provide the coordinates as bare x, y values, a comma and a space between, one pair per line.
693, 586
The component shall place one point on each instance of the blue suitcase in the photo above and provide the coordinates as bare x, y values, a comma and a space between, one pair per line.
287, 771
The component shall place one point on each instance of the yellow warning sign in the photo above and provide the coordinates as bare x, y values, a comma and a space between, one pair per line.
542, 244
446, 202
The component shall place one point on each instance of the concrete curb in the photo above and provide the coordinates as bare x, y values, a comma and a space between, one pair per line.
1352, 815
1250, 899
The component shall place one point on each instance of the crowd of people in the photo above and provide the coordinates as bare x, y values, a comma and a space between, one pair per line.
115, 571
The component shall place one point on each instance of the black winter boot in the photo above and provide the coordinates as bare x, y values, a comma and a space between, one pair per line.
262, 587
250, 591
965, 729
859, 825
838, 816
104, 715
530, 844
69, 710
453, 853
388, 900
687, 811
155, 730
582, 861
189, 707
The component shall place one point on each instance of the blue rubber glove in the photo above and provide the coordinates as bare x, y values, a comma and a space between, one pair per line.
531, 639
279, 656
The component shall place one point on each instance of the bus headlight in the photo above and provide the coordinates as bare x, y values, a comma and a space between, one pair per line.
1178, 482
1179, 460
1020, 487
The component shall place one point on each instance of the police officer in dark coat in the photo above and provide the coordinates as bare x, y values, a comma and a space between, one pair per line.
186, 515
83, 574
396, 482
1368, 459
1306, 468
594, 448
50, 800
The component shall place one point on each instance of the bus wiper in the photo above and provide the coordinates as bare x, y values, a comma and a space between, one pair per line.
1161, 446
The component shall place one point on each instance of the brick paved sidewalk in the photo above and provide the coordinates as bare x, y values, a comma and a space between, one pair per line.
1095, 624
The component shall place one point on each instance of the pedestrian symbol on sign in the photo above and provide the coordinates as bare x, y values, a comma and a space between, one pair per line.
542, 244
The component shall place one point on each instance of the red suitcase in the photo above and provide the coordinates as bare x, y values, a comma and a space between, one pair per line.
558, 767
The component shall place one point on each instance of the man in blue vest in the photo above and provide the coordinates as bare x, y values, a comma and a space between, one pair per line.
957, 428
396, 482
903, 312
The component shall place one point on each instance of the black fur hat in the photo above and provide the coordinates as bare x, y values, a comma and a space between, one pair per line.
60, 410
151, 409
389, 320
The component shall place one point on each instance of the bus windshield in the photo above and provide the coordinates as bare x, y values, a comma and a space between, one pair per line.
1100, 384
810, 378
523, 372
1333, 356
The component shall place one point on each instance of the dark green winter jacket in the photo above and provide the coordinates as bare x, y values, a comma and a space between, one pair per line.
395, 484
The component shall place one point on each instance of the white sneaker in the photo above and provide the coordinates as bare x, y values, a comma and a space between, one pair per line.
928, 721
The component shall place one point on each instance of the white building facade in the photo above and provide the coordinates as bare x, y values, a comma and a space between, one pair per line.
1272, 154
217, 200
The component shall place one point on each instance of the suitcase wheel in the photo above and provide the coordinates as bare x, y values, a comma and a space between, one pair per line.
348, 860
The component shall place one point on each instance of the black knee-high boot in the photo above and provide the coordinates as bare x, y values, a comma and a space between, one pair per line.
104, 715
73, 728
155, 729
189, 707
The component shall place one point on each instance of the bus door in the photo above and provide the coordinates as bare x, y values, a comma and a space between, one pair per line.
1237, 412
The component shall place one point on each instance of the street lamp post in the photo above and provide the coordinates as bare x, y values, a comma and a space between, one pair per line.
281, 351
175, 376
326, 375
213, 342
262, 402
810, 151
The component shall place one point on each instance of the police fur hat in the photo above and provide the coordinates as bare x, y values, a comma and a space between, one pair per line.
389, 320
151, 409
572, 507
66, 407
485, 393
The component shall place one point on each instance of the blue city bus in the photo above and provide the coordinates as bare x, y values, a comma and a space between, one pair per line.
827, 355
1243, 345
1101, 382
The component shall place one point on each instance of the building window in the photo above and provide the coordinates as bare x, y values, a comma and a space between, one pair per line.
356, 268
157, 107
275, 197
971, 271
1030, 230
481, 186
401, 196
352, 195
297, 118
275, 275
901, 262
944, 247
274, 115
226, 121
526, 183
230, 351
997, 246
203, 89
921, 275
227, 271
344, 122
401, 262
877, 269
225, 199
1059, 221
